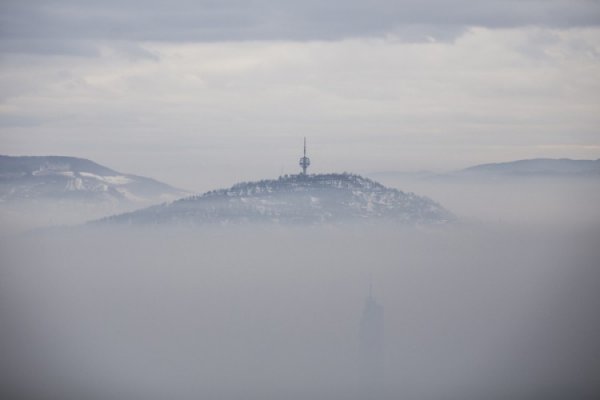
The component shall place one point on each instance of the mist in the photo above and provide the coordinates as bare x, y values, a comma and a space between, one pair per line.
553, 202
166, 232
471, 311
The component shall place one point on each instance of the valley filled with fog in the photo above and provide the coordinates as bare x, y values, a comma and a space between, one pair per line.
300, 200
500, 303
525, 202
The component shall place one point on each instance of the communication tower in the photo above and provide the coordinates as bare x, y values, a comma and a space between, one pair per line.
304, 161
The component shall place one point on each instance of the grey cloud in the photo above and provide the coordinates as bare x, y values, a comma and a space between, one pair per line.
19, 120
35, 22
133, 51
52, 46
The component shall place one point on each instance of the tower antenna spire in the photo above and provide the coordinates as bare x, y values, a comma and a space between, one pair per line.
304, 161
304, 146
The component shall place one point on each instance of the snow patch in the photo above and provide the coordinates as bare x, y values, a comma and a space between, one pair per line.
117, 180
113, 180
74, 184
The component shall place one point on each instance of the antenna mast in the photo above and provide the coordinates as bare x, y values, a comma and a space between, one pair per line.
304, 161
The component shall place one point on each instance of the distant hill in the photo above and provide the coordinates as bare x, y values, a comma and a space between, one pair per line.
59, 178
533, 168
548, 167
295, 199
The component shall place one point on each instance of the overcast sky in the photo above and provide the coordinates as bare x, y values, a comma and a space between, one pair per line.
205, 93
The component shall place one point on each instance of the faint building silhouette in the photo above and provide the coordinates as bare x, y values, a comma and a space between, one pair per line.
371, 348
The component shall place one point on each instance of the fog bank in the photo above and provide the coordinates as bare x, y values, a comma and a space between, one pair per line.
274, 312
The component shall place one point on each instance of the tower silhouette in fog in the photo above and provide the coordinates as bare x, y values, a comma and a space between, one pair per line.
371, 347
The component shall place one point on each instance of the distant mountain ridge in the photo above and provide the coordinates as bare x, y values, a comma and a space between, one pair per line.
530, 168
301, 199
23, 165
59, 178
539, 167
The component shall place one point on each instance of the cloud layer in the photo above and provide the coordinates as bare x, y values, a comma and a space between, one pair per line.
66, 26
364, 103
159, 89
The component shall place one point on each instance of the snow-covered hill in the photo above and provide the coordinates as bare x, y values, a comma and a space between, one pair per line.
304, 199
69, 178
41, 191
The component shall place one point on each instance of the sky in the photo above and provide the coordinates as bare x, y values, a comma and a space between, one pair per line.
206, 93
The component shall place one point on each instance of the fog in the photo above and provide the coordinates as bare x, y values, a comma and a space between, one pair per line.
496, 299
530, 201
23, 216
473, 310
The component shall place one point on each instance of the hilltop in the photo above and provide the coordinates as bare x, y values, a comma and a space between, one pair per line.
296, 199
58, 178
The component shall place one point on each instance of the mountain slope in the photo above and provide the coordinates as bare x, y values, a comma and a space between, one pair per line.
548, 167
59, 178
300, 199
